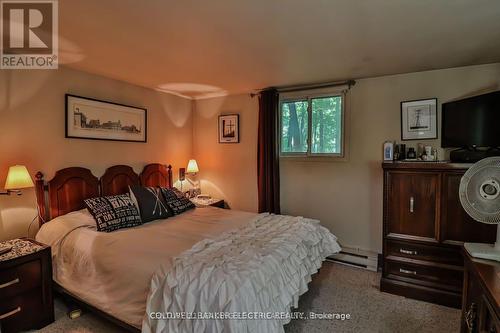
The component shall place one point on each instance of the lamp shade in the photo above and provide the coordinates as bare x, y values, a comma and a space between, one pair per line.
192, 167
18, 178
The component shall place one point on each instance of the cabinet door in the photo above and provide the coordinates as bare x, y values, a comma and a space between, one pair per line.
456, 225
412, 205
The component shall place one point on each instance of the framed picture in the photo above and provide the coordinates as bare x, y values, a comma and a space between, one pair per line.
88, 118
419, 119
229, 128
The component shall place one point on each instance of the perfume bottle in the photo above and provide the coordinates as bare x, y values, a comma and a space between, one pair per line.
402, 152
420, 150
435, 154
397, 154
411, 153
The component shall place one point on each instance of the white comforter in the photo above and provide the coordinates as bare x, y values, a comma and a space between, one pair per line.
263, 266
112, 271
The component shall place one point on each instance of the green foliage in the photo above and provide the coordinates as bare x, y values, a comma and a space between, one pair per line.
325, 127
294, 120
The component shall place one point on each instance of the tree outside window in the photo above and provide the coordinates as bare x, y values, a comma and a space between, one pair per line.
312, 126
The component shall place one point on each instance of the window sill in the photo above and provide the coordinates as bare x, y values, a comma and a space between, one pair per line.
308, 159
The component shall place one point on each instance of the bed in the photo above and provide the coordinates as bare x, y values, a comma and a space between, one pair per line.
206, 260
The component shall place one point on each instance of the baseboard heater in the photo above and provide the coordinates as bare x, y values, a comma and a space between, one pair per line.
356, 257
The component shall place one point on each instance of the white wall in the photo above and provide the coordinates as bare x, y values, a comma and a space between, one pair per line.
345, 196
32, 132
228, 170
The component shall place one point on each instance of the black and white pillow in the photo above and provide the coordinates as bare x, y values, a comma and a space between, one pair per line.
150, 202
176, 200
113, 212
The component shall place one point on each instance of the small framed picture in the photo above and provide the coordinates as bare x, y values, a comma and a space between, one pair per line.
419, 119
229, 128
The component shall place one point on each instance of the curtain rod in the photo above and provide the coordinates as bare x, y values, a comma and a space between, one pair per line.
282, 89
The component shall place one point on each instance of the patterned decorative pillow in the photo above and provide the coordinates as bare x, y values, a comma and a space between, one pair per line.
113, 212
149, 202
176, 200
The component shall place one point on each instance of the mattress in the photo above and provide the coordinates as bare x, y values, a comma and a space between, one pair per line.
113, 271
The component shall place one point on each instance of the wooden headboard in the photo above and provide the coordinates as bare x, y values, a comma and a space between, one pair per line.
117, 179
71, 186
156, 175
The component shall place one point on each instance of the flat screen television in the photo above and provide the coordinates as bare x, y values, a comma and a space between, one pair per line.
471, 122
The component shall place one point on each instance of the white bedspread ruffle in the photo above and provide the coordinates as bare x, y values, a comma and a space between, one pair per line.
261, 267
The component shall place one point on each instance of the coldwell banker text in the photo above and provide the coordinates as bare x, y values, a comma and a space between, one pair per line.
29, 34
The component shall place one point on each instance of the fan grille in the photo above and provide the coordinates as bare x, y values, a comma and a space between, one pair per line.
485, 210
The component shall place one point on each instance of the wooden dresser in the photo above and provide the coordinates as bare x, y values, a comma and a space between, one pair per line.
424, 229
481, 296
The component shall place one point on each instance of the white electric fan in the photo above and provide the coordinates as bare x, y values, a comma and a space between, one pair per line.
480, 197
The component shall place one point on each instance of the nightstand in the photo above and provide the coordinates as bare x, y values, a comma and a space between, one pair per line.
25, 286
219, 203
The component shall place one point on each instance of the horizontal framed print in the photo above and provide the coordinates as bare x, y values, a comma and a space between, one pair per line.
229, 128
88, 118
419, 119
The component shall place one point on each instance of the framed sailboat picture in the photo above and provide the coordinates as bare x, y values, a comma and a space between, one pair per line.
419, 119
88, 118
229, 128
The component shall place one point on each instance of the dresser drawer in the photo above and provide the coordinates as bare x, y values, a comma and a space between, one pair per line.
21, 311
431, 276
424, 252
19, 279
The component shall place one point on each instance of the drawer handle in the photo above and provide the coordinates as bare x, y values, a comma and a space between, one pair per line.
407, 271
412, 203
11, 313
10, 283
413, 253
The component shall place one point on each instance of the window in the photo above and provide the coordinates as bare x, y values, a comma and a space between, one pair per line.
312, 126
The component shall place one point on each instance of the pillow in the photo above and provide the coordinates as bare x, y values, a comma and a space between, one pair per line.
176, 200
149, 202
113, 212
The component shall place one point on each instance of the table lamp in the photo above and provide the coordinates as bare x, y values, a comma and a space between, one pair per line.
18, 178
192, 168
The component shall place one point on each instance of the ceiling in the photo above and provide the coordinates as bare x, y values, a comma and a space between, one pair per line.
206, 48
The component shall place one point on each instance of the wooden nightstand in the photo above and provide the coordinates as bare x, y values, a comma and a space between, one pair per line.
25, 286
219, 203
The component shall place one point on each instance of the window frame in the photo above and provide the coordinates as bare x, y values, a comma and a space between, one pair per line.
304, 96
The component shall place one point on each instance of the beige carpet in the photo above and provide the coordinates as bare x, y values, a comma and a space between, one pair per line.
336, 289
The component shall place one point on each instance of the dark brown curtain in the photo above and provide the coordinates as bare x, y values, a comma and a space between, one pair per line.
268, 159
